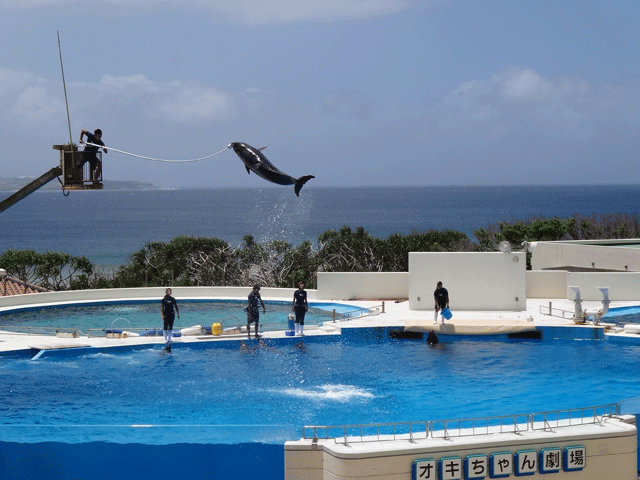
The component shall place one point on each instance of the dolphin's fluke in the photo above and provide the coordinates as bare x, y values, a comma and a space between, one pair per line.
300, 182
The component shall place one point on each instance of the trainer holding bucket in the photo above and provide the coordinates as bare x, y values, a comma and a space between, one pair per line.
441, 297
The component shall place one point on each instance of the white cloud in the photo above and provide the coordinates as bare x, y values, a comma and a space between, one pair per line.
525, 84
522, 98
139, 81
194, 103
246, 11
12, 81
35, 104
27, 97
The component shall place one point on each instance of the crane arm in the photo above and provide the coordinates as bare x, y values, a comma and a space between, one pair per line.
30, 188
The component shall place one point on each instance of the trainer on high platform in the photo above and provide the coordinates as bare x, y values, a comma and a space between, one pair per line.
90, 153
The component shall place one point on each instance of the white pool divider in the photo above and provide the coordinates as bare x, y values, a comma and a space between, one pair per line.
584, 444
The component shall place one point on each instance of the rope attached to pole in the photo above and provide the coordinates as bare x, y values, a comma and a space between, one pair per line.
156, 159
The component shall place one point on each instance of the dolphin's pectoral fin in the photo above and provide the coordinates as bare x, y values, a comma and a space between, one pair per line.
263, 148
248, 171
300, 182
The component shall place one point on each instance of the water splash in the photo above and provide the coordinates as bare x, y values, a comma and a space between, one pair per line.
340, 393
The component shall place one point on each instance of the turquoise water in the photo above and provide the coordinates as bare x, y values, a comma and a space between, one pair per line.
231, 393
140, 316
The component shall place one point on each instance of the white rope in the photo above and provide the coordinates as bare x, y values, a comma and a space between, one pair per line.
156, 159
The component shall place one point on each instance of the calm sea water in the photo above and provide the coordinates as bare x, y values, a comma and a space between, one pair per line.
108, 226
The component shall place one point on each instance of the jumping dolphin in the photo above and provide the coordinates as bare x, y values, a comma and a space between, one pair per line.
255, 161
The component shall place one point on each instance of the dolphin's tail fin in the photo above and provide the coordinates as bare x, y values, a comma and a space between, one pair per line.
300, 182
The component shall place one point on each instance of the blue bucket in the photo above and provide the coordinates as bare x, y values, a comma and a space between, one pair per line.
446, 313
292, 321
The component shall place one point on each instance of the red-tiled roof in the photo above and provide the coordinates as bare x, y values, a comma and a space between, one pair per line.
13, 286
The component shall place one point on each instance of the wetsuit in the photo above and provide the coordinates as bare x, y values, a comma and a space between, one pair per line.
253, 314
300, 305
168, 315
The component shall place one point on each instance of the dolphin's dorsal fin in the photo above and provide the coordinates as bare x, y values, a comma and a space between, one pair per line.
263, 148
248, 171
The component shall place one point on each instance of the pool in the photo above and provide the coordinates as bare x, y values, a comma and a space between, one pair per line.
630, 314
239, 402
141, 315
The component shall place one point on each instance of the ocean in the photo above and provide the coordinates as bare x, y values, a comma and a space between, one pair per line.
107, 226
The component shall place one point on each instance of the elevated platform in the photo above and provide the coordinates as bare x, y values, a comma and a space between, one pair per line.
472, 327
598, 448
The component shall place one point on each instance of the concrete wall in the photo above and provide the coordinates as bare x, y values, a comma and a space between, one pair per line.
374, 285
622, 286
555, 284
475, 281
611, 450
547, 284
604, 254
145, 293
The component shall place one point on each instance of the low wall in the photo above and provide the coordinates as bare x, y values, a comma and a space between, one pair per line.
622, 286
603, 254
362, 285
145, 293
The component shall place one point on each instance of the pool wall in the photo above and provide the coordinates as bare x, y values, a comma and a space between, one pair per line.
110, 461
117, 295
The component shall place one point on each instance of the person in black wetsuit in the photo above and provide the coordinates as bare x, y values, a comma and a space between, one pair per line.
300, 307
166, 311
253, 314
94, 162
441, 297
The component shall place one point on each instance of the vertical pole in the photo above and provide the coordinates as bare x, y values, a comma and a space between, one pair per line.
64, 85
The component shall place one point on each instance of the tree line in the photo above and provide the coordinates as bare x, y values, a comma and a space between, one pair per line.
203, 261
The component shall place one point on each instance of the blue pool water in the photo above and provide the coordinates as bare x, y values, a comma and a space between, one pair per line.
227, 393
630, 314
225, 409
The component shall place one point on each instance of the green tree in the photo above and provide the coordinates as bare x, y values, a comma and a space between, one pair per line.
50, 270
349, 251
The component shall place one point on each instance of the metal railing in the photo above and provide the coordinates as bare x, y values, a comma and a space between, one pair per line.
357, 313
445, 429
37, 330
556, 312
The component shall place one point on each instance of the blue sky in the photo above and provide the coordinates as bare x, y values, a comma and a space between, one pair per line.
357, 93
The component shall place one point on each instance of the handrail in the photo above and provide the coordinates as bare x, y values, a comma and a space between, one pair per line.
446, 429
38, 330
556, 312
357, 313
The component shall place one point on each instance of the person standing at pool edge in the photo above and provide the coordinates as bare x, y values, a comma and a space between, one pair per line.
166, 311
253, 315
441, 297
300, 306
